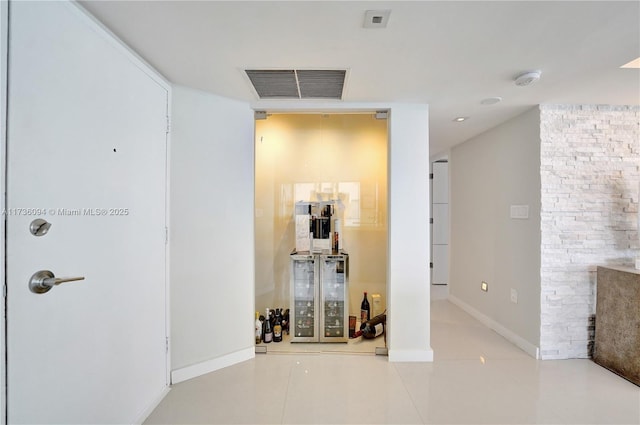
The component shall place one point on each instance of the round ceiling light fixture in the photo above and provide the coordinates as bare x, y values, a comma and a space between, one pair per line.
491, 100
527, 78
460, 119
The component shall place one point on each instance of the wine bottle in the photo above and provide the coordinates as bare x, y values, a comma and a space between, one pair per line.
268, 330
272, 317
285, 321
364, 309
374, 327
258, 329
277, 327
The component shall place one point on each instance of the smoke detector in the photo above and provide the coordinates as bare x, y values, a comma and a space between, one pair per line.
527, 78
491, 100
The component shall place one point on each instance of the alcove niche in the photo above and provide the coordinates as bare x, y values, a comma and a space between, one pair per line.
322, 156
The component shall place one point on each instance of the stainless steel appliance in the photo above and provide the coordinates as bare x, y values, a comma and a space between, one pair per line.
319, 297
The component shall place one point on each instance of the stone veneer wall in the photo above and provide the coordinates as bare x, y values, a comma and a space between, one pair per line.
589, 189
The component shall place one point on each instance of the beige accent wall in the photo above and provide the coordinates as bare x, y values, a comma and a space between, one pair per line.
489, 174
301, 156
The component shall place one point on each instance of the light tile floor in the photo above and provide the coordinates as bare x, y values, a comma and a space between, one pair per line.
477, 378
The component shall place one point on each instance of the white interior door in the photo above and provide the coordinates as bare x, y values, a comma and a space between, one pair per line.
440, 271
440, 228
440, 224
440, 193
87, 153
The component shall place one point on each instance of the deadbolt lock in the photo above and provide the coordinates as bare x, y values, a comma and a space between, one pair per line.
39, 227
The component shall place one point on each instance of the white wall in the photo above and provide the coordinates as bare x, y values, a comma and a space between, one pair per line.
408, 281
489, 173
211, 232
590, 173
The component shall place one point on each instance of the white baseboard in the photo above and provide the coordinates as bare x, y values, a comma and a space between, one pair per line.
145, 414
520, 342
199, 369
397, 356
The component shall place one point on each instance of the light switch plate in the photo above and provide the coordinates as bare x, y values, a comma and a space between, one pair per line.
520, 211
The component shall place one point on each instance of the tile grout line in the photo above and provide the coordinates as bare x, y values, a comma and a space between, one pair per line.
413, 402
286, 394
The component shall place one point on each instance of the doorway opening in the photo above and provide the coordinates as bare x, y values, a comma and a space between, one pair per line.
336, 159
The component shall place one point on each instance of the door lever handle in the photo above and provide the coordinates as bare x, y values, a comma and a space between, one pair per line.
43, 280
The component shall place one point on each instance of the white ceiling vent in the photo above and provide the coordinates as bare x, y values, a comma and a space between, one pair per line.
297, 84
376, 18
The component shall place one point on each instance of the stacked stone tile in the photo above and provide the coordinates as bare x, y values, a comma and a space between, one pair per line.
590, 181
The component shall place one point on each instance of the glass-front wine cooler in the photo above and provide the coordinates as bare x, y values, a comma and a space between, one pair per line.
319, 297
334, 298
304, 297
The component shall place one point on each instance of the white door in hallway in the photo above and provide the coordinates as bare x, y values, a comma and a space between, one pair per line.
440, 223
87, 149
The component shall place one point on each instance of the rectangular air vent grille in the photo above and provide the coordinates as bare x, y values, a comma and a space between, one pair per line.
297, 84
274, 83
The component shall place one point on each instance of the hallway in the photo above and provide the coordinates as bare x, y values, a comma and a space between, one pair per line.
477, 378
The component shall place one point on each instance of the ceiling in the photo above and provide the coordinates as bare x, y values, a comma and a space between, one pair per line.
448, 54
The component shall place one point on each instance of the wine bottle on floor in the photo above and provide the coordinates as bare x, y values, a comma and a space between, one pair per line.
285, 321
268, 330
277, 327
272, 317
258, 329
364, 309
374, 327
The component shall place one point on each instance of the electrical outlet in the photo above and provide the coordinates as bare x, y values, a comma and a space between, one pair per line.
484, 286
514, 296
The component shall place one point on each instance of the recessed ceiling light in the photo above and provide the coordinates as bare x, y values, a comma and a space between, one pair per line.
491, 100
460, 119
633, 64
